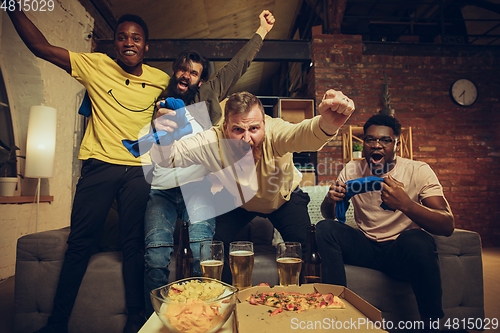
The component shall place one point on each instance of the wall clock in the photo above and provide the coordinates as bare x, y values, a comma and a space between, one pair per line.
463, 92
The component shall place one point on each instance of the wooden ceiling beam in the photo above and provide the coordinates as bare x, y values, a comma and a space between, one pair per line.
335, 15
488, 5
218, 49
293, 27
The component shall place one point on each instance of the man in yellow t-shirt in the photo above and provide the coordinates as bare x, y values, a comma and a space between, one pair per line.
122, 93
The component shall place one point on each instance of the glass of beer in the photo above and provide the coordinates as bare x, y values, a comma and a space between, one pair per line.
241, 263
288, 257
212, 259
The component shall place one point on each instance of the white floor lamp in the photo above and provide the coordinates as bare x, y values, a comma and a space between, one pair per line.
40, 146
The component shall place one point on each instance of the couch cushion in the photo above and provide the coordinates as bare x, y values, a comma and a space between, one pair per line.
101, 298
317, 194
265, 269
38, 263
462, 274
100, 304
395, 299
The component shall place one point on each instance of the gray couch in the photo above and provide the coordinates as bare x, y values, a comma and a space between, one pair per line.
100, 305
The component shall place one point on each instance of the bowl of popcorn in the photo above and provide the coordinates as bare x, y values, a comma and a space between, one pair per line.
195, 305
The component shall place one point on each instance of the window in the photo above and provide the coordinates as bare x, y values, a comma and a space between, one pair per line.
6, 130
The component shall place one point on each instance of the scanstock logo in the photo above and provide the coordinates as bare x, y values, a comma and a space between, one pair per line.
200, 169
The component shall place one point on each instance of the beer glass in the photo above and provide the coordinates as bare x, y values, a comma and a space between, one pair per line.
288, 257
241, 263
212, 259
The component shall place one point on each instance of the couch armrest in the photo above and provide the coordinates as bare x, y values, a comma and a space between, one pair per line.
100, 305
38, 263
461, 275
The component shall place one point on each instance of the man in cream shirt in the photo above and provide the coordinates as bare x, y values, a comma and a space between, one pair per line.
224, 150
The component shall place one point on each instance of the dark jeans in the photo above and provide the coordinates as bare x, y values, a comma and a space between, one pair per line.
411, 257
195, 204
291, 220
100, 183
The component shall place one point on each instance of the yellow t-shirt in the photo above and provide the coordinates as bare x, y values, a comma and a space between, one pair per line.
122, 104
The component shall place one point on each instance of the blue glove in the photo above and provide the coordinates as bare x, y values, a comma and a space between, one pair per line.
163, 138
357, 186
86, 107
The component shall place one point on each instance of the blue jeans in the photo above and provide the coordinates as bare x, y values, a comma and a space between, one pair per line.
163, 209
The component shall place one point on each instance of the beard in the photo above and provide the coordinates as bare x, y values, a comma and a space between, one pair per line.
257, 151
238, 149
187, 96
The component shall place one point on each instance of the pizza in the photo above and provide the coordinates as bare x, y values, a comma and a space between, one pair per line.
299, 302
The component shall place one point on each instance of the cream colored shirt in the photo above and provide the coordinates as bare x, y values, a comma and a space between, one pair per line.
419, 181
275, 176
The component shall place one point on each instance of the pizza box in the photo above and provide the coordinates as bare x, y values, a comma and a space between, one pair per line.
358, 315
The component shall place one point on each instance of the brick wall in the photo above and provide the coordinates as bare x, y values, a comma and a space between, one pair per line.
460, 144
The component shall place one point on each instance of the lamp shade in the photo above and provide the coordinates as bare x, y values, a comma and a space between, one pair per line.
41, 143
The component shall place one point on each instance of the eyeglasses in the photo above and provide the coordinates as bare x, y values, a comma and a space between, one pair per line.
384, 142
